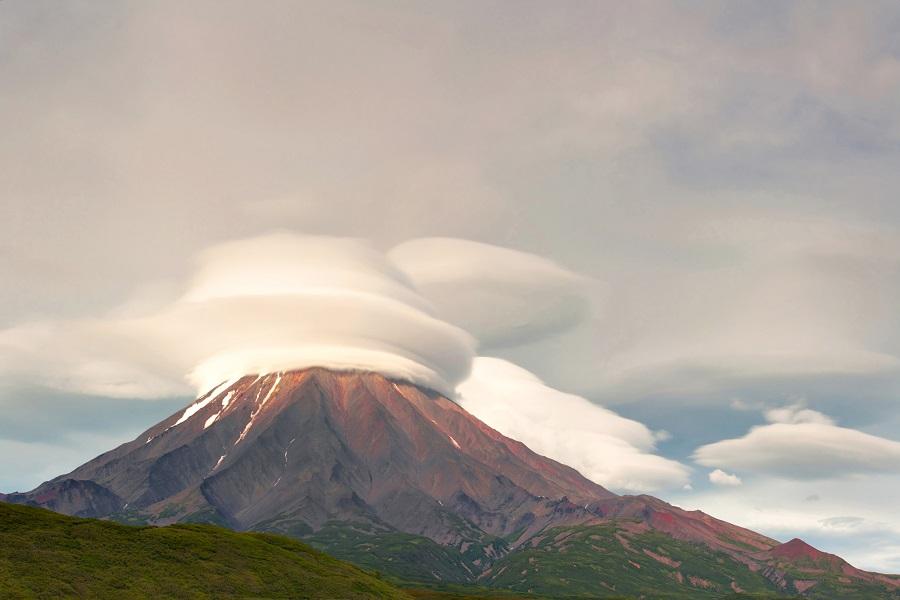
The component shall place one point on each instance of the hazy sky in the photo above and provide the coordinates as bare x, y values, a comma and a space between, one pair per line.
702, 200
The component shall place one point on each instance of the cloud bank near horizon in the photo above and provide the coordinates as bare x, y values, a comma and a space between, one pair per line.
801, 443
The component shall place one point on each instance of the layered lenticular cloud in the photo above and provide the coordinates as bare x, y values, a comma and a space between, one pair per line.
282, 300
284, 264
285, 301
605, 447
268, 303
504, 297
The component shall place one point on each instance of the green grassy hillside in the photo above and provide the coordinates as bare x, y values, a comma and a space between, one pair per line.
400, 556
47, 555
609, 560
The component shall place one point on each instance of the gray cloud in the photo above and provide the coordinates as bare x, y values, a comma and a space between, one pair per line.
502, 296
789, 303
843, 522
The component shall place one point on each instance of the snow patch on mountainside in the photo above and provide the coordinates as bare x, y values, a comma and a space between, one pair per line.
191, 410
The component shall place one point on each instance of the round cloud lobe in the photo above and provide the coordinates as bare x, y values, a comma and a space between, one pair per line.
504, 297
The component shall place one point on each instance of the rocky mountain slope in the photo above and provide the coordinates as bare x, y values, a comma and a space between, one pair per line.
398, 478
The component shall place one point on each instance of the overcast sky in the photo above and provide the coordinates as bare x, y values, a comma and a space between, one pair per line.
699, 202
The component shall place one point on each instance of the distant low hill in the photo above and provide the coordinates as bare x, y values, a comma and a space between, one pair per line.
48, 555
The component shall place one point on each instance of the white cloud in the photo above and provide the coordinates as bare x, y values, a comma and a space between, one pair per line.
795, 414
285, 264
720, 477
803, 444
282, 301
502, 296
613, 451
661, 435
267, 303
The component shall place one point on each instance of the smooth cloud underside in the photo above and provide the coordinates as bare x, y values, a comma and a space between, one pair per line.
282, 301
268, 303
605, 447
297, 301
803, 444
503, 297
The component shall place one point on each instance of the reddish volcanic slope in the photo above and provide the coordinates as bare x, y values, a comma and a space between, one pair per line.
317, 445
797, 549
295, 451
799, 557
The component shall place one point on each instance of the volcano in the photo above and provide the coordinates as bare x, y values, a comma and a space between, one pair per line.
401, 479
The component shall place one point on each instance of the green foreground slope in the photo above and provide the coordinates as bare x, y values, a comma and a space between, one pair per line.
47, 555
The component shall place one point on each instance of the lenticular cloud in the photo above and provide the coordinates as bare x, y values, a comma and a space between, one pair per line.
504, 297
268, 303
284, 301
